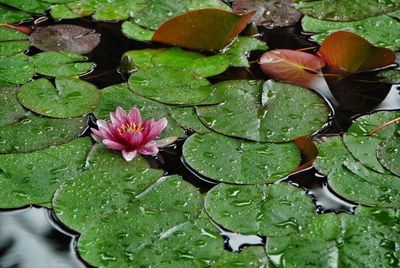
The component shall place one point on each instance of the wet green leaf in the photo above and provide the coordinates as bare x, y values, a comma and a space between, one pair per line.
17, 69
271, 210
12, 42
232, 160
136, 32
338, 241
12, 16
187, 119
70, 97
33, 133
120, 95
61, 63
346, 10
251, 257
11, 110
276, 112
32, 178
390, 76
377, 30
389, 154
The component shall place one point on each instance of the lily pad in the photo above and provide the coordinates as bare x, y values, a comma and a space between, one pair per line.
389, 154
206, 66
232, 160
271, 210
8, 15
12, 42
337, 241
174, 86
274, 113
346, 10
120, 95
136, 32
251, 257
390, 76
11, 110
66, 37
187, 119
31, 6
61, 63
70, 97
34, 133
32, 178
377, 30
362, 146
17, 69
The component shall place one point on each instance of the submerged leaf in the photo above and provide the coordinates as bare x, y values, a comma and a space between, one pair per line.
352, 53
66, 37
293, 67
197, 29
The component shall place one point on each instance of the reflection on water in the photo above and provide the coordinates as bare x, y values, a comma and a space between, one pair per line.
28, 239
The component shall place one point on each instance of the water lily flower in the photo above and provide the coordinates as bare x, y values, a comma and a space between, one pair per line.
127, 133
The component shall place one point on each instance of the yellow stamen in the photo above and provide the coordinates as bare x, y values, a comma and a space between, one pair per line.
131, 128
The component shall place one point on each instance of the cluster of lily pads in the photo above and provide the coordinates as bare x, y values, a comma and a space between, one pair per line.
128, 213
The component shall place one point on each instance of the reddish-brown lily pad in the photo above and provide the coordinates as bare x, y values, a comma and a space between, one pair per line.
352, 53
203, 29
66, 37
293, 67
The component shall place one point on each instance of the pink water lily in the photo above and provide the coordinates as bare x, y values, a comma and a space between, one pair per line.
127, 133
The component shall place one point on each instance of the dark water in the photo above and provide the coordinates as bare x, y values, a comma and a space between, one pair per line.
31, 237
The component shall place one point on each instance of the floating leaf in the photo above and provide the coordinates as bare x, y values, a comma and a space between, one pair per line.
12, 16
276, 112
196, 29
17, 69
377, 30
346, 10
309, 152
34, 133
362, 145
389, 154
32, 178
12, 42
136, 32
66, 37
120, 95
337, 241
390, 76
61, 63
271, 210
11, 110
293, 67
31, 6
172, 86
187, 119
273, 13
70, 97
238, 161
353, 53
251, 257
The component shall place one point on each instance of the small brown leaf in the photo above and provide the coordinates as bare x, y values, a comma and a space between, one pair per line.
204, 29
308, 150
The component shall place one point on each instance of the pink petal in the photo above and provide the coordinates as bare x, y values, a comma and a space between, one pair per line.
115, 121
101, 134
136, 139
113, 145
155, 130
148, 150
121, 115
102, 124
147, 125
128, 156
134, 116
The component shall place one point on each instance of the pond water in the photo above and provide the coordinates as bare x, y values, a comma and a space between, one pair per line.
32, 237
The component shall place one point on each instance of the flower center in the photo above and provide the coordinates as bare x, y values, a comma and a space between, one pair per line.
131, 128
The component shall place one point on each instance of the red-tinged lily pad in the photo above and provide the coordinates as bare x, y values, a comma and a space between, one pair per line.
66, 37
203, 29
309, 152
294, 67
352, 53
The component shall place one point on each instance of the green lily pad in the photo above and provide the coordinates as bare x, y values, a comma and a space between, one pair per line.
108, 184
70, 97
12, 42
389, 154
337, 241
120, 95
390, 76
251, 257
366, 188
346, 10
31, 6
361, 145
187, 119
377, 30
239, 161
12, 16
174, 86
276, 112
271, 210
34, 133
11, 110
32, 178
136, 32
61, 63
206, 66
17, 69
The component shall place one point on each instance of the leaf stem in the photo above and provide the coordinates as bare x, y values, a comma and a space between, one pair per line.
384, 125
